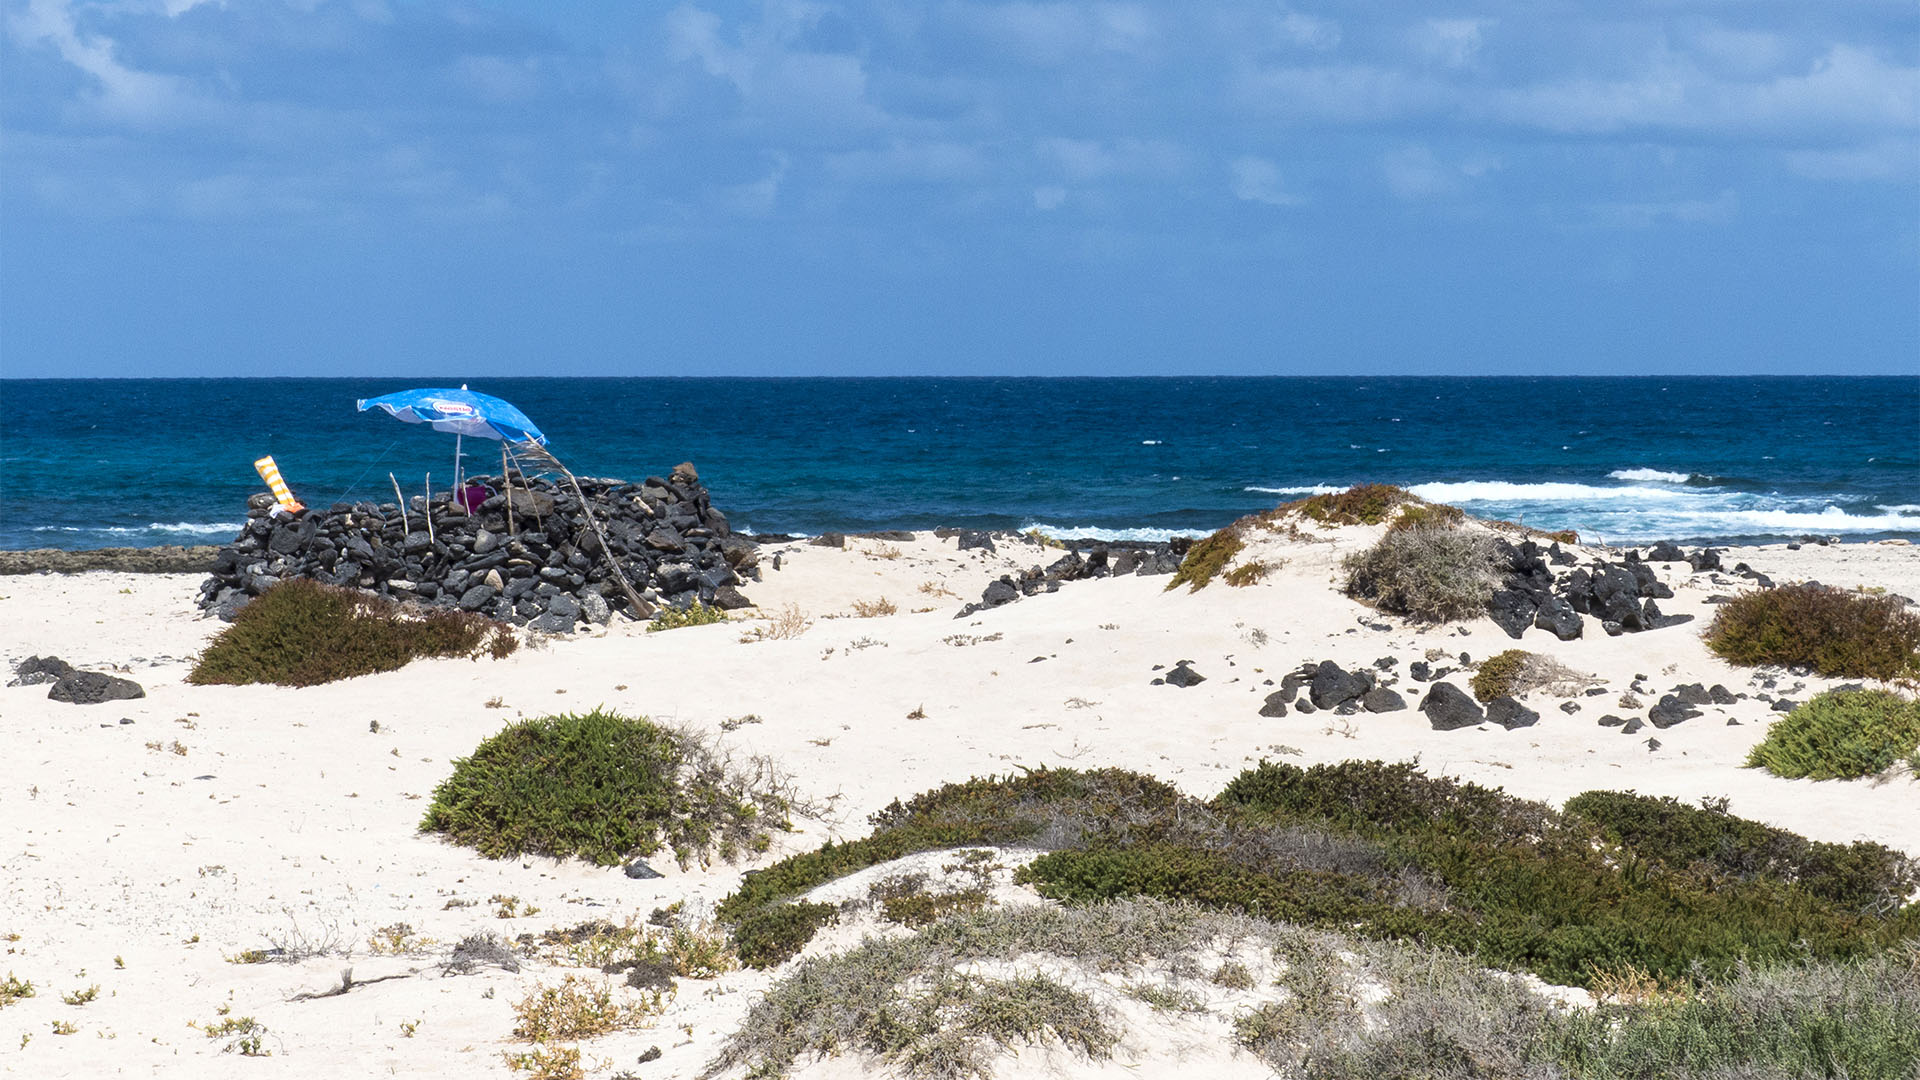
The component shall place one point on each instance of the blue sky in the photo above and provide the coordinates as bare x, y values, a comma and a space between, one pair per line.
958, 187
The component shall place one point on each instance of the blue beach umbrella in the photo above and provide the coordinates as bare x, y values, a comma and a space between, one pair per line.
460, 412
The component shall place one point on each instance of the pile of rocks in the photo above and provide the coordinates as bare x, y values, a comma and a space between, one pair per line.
1620, 594
545, 568
1085, 559
1334, 689
72, 685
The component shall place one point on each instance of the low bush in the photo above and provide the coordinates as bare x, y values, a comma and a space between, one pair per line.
774, 934
1840, 735
303, 633
694, 614
1859, 1019
1388, 852
1837, 632
606, 788
1498, 673
1361, 504
1862, 876
1206, 558
1432, 574
1517, 671
1424, 515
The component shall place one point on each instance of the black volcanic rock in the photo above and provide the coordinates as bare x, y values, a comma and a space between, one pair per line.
1447, 708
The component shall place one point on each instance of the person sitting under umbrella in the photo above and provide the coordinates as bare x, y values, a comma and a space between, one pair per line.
472, 495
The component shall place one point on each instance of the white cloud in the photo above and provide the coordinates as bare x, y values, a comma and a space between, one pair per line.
123, 91
1309, 31
921, 162
1349, 93
1882, 159
1416, 172
1718, 210
1086, 160
757, 198
1453, 43
1845, 87
1255, 179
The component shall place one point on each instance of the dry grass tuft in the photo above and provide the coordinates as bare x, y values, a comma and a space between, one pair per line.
871, 609
787, 623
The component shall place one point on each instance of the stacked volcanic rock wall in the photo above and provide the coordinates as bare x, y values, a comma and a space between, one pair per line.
544, 569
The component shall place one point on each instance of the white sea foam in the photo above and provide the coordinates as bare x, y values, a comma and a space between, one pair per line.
1647, 476
1152, 536
1473, 491
1320, 489
198, 528
1901, 508
1149, 442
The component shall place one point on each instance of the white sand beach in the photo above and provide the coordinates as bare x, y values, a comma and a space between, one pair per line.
147, 843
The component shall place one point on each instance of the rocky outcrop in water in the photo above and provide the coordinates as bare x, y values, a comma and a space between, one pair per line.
545, 567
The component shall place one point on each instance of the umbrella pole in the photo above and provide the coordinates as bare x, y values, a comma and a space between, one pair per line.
506, 483
641, 609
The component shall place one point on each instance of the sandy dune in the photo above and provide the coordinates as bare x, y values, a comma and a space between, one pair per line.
146, 842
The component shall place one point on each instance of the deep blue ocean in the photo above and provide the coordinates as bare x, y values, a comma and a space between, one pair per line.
104, 463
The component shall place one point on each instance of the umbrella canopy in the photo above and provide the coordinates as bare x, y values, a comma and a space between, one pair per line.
461, 412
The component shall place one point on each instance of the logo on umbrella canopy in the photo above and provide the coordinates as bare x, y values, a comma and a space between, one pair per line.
451, 408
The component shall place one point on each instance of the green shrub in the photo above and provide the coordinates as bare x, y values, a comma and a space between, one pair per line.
772, 935
1859, 1019
694, 614
1498, 673
1838, 633
606, 788
1432, 574
1361, 504
1862, 876
303, 633
1206, 558
1426, 515
1840, 735
1388, 852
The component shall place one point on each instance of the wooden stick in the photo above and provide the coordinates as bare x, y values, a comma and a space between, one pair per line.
641, 609
401, 499
428, 512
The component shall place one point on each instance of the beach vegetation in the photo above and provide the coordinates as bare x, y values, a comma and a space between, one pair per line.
1249, 573
81, 997
787, 623
1040, 537
547, 1062
1842, 735
1431, 574
303, 633
694, 614
1361, 504
873, 609
1206, 559
1861, 876
243, 1034
14, 989
578, 1008
607, 788
1515, 672
1426, 515
1385, 851
1839, 633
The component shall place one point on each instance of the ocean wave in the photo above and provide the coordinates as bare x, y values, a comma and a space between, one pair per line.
1644, 476
1319, 489
1630, 527
197, 528
1473, 491
1900, 508
1092, 532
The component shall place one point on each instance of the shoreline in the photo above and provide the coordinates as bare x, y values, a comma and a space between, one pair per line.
199, 558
